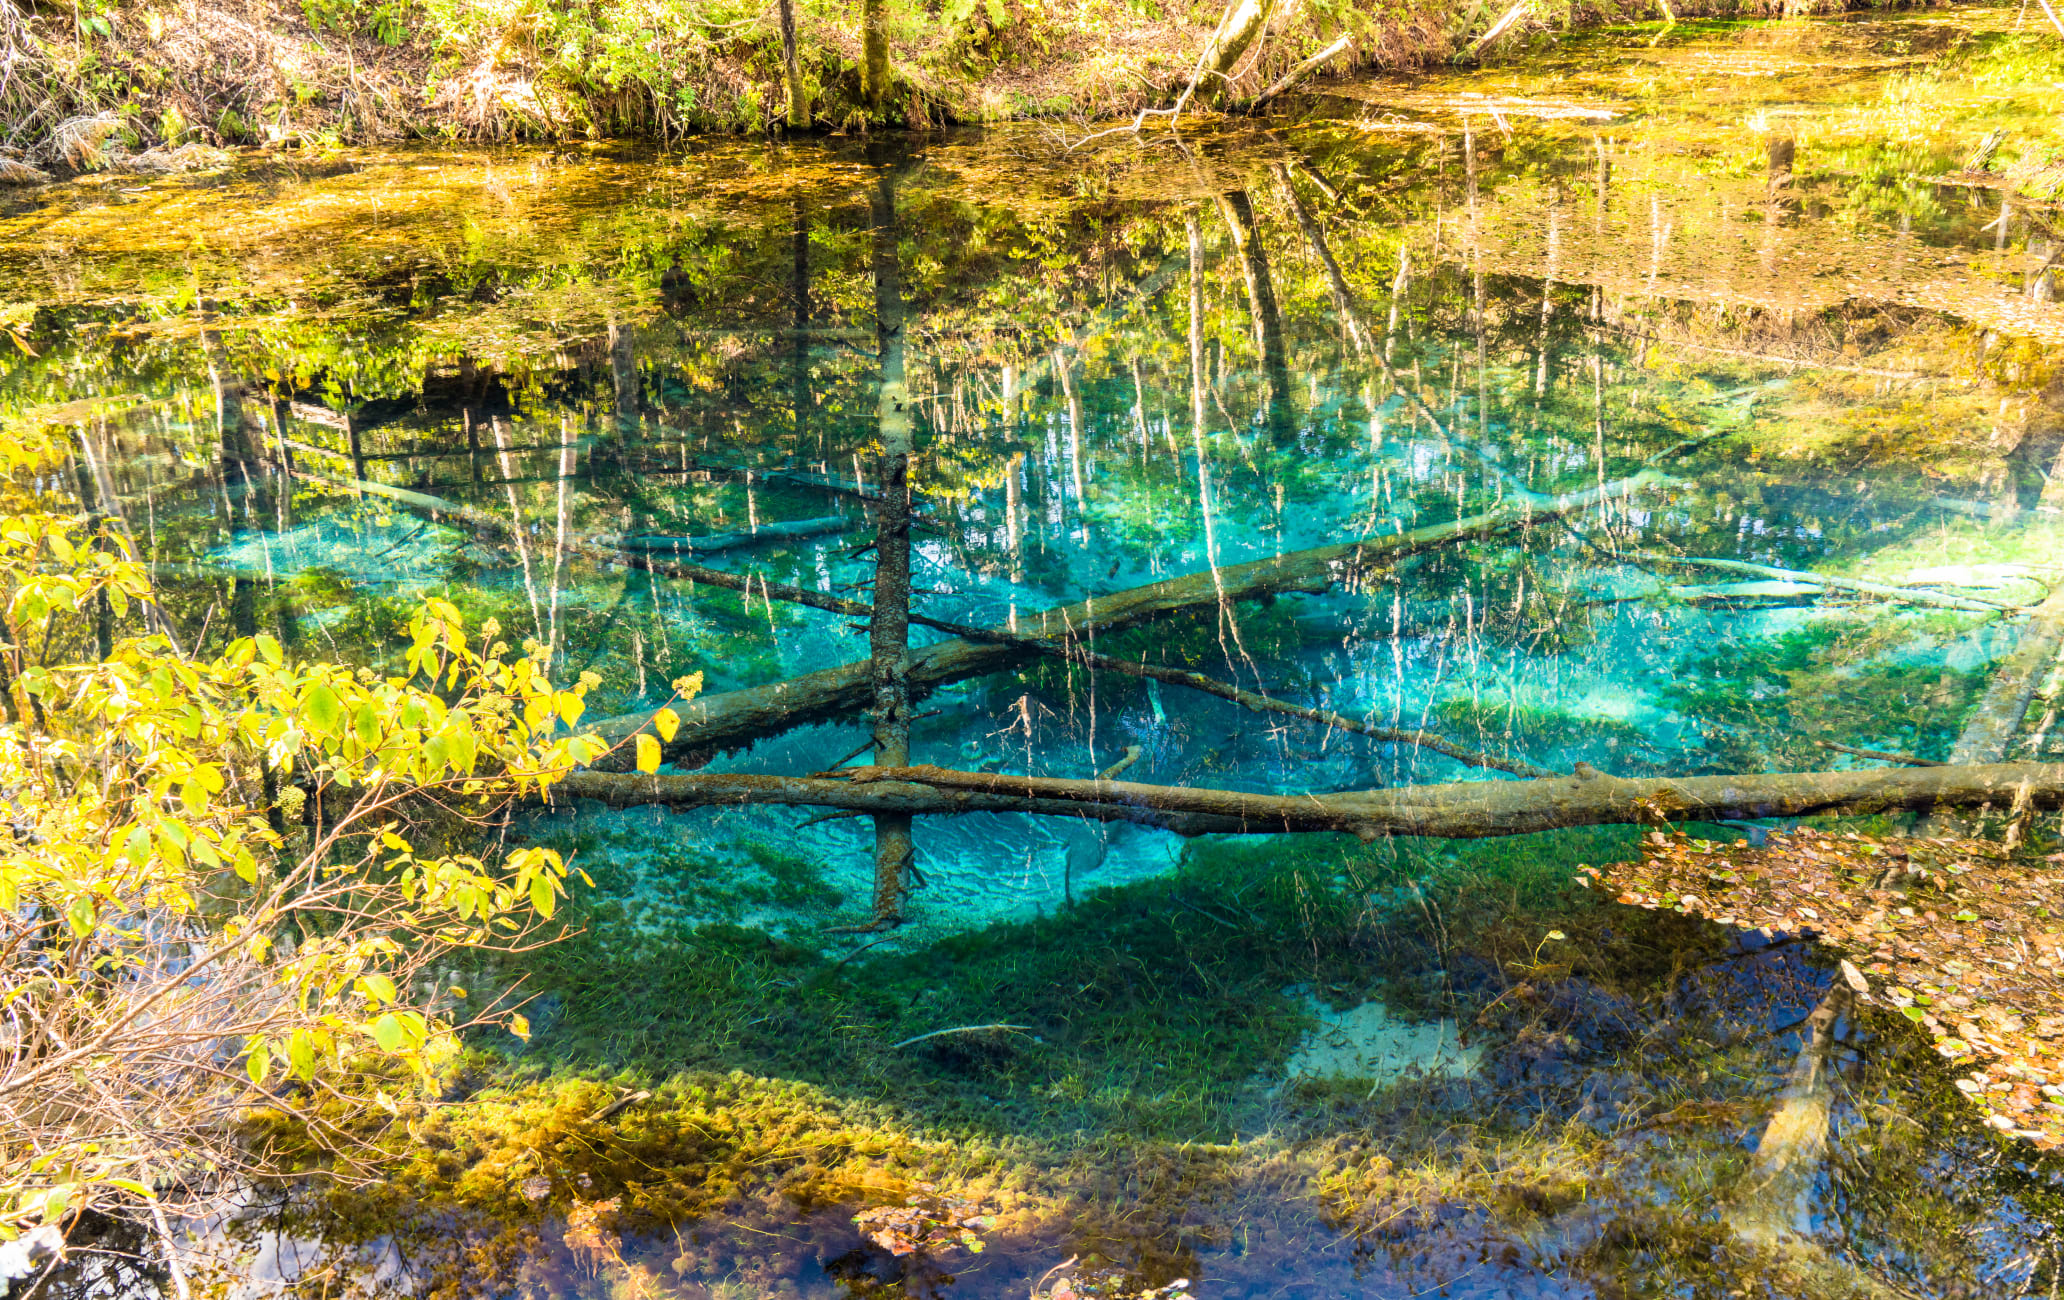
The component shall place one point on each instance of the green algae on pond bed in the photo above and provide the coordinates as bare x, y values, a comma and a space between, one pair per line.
1599, 1151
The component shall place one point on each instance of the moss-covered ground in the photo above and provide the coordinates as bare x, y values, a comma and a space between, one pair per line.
1137, 1114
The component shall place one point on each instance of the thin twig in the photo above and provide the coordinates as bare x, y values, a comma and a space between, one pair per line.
1884, 756
961, 1029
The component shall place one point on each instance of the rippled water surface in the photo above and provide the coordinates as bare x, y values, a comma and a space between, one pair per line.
1746, 258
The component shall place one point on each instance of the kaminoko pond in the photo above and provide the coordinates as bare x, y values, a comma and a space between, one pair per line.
1658, 404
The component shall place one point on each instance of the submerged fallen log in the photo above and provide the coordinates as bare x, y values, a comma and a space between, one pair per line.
1912, 595
1464, 810
712, 543
605, 549
1261, 703
733, 718
1998, 717
480, 523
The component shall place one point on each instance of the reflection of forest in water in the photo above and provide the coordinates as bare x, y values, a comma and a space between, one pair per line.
1426, 300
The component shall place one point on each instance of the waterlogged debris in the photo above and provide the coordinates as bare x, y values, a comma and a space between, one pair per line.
1958, 936
1498, 109
1067, 1282
924, 1223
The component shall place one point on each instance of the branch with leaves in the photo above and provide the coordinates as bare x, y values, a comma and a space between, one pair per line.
170, 958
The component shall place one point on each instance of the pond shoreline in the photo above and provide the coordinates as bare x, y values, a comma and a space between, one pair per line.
132, 89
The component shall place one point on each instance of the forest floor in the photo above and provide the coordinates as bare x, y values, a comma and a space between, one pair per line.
126, 84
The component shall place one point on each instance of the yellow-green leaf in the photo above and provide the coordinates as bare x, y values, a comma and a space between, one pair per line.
323, 710
648, 753
519, 1025
387, 1032
542, 896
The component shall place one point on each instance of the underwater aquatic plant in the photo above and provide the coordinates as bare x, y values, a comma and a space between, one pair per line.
926, 1222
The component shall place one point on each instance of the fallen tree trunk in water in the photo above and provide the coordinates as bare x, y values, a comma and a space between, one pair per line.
714, 542
1998, 717
1260, 703
1911, 595
1027, 645
1464, 810
733, 718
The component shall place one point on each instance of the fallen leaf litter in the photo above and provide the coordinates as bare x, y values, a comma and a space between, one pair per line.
1958, 936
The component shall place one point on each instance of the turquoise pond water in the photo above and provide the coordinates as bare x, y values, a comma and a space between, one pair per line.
1278, 1066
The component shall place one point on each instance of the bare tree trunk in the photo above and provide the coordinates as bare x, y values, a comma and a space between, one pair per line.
1464, 810
874, 55
623, 375
1999, 715
1243, 21
1772, 1201
792, 70
1064, 368
1770, 1213
799, 290
1398, 289
1197, 408
1336, 283
515, 527
889, 628
563, 521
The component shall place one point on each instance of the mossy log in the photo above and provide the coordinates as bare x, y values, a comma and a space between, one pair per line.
1464, 810
734, 718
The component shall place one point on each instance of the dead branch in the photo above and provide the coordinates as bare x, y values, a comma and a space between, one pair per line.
715, 542
1261, 703
1911, 595
2052, 14
1497, 29
1883, 756
1298, 73
962, 1029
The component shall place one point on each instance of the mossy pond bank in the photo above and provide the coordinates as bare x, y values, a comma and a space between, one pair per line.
1805, 268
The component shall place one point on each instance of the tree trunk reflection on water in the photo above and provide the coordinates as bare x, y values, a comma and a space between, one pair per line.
1238, 211
799, 345
889, 629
